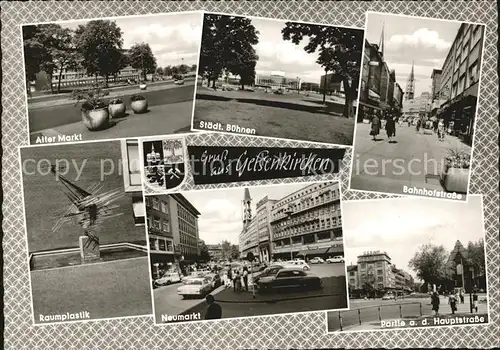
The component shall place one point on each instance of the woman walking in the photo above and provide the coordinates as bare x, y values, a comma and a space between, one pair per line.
441, 130
390, 126
452, 300
435, 303
375, 129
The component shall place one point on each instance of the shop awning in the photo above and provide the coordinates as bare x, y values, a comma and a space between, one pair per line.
337, 248
313, 251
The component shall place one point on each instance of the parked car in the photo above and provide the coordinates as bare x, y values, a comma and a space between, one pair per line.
179, 82
335, 259
388, 297
268, 271
278, 92
167, 278
316, 260
195, 286
289, 278
298, 263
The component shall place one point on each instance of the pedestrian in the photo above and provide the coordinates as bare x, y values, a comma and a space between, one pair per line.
390, 126
419, 122
435, 303
452, 300
435, 125
474, 301
245, 278
441, 130
238, 281
229, 278
375, 129
214, 311
462, 297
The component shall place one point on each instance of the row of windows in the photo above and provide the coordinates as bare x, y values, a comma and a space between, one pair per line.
330, 210
188, 240
306, 239
157, 204
309, 227
159, 224
161, 244
186, 215
310, 189
305, 204
187, 229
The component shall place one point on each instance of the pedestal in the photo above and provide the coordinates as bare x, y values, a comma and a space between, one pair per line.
88, 250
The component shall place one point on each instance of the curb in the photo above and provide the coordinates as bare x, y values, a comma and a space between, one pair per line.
275, 300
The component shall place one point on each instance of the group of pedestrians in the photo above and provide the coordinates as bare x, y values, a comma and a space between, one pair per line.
237, 279
391, 120
454, 299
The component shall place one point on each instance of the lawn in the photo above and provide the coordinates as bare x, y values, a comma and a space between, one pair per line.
284, 116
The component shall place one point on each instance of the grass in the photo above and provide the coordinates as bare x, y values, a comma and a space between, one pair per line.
289, 117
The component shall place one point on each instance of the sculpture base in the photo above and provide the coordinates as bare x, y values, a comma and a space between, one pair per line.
89, 252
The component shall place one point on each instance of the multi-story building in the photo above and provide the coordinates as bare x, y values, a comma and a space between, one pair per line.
418, 107
310, 86
332, 82
308, 223
215, 252
460, 80
353, 276
277, 80
397, 97
263, 217
375, 269
172, 230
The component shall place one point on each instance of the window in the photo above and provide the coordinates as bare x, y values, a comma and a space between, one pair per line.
162, 245
170, 246
473, 74
164, 207
351, 274
156, 223
165, 226
138, 209
131, 165
156, 203
152, 243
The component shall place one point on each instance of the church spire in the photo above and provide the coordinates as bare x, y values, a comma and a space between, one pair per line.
381, 42
410, 84
247, 207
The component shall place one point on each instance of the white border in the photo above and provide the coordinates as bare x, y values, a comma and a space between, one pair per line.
420, 327
33, 323
200, 12
305, 184
475, 114
280, 20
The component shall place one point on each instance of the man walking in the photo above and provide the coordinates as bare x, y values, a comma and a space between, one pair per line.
214, 311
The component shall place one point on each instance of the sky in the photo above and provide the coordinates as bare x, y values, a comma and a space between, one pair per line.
172, 37
276, 54
426, 41
221, 210
400, 226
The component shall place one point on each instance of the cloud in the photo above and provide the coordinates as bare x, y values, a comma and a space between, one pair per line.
421, 38
285, 53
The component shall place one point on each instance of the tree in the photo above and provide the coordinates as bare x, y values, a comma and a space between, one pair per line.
204, 254
476, 257
226, 249
172, 145
159, 71
100, 43
183, 69
227, 43
35, 53
235, 252
430, 264
167, 70
339, 53
141, 57
193, 68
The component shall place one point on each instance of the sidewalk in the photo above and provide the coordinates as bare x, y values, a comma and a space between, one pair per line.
65, 99
160, 120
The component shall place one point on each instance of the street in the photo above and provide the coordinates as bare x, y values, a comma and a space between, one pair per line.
290, 116
387, 167
170, 111
332, 296
411, 308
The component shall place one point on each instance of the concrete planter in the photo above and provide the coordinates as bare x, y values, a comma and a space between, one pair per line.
139, 106
117, 110
95, 119
455, 179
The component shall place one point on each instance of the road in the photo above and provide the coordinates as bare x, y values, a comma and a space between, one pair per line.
387, 167
411, 308
333, 296
51, 117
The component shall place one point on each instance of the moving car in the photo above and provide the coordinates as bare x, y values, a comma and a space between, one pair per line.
214, 279
195, 286
268, 271
298, 263
316, 260
388, 297
289, 278
167, 278
179, 82
335, 259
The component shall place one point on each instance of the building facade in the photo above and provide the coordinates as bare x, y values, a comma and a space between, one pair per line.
308, 223
459, 83
249, 235
418, 107
215, 252
332, 83
172, 230
263, 218
277, 80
